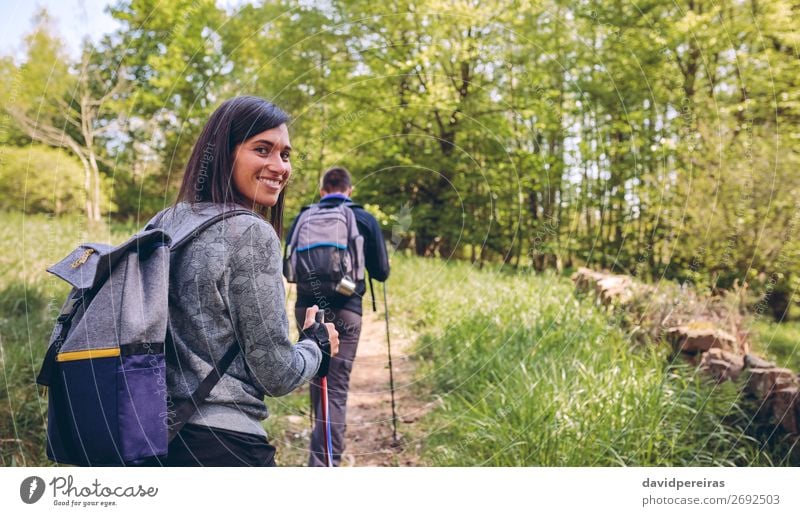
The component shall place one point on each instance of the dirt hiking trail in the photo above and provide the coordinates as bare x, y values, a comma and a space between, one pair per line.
369, 406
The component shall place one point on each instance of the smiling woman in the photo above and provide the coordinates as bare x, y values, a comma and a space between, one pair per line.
262, 167
226, 295
240, 154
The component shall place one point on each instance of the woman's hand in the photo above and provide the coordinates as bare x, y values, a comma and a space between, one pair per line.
333, 335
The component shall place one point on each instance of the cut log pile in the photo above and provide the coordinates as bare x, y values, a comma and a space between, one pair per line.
706, 332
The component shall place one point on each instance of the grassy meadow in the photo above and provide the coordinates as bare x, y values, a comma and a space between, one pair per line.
779, 343
527, 372
530, 374
30, 299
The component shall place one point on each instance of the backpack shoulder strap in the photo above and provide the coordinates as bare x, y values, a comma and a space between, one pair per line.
185, 409
352, 222
186, 224
187, 233
353, 206
305, 211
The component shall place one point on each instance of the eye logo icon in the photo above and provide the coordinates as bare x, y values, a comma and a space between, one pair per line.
31, 489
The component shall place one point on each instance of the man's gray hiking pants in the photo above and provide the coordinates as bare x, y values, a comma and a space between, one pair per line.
348, 324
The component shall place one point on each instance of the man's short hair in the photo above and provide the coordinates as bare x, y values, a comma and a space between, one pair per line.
336, 179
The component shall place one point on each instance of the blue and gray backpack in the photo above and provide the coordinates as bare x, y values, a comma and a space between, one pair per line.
324, 249
105, 367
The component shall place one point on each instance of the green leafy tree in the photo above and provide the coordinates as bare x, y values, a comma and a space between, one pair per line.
40, 179
62, 107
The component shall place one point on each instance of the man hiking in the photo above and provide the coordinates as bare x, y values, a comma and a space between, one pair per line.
329, 246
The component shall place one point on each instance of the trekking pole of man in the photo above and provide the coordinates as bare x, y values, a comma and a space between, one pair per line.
391, 372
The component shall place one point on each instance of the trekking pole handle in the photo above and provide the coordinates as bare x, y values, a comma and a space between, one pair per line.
318, 332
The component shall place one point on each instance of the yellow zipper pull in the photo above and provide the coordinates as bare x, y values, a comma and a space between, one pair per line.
80, 261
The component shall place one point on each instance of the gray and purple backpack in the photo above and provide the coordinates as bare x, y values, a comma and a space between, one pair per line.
105, 367
324, 249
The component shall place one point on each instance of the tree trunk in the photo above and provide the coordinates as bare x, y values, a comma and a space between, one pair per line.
87, 188
96, 216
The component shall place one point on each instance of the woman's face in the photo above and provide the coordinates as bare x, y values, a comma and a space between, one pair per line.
261, 166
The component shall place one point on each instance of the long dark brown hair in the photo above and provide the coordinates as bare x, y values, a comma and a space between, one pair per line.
208, 173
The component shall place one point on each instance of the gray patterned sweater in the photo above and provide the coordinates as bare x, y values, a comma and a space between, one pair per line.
226, 285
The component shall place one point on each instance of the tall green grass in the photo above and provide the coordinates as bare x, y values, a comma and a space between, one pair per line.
529, 374
778, 342
29, 303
